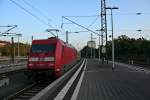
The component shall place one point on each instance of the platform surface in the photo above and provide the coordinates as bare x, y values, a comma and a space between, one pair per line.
101, 83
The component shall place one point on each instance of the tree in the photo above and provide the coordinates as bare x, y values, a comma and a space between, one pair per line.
6, 49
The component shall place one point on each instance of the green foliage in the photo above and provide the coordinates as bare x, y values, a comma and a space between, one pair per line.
130, 47
5, 51
23, 49
86, 52
124, 47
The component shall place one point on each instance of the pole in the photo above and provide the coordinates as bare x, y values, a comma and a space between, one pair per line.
66, 36
86, 51
12, 49
102, 47
94, 53
113, 57
32, 38
91, 45
18, 45
103, 29
99, 48
140, 33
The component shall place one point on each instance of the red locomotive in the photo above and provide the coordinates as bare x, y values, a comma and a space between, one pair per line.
50, 56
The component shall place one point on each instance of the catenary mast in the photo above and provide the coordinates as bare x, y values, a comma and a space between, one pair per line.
103, 31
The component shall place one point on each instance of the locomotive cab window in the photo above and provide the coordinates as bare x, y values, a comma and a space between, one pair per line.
38, 48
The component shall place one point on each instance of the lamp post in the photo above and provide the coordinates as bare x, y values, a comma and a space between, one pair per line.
140, 32
113, 56
138, 13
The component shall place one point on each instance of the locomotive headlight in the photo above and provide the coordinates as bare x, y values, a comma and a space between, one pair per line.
33, 59
49, 59
30, 65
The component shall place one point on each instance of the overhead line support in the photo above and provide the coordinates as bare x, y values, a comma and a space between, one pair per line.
104, 29
80, 25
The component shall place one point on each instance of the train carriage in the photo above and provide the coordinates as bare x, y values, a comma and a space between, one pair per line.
49, 56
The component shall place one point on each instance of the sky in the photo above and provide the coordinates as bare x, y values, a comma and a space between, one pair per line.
49, 14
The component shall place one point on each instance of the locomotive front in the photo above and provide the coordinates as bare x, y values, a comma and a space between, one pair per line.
41, 59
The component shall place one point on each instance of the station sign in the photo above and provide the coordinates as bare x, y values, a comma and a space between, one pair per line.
91, 44
103, 49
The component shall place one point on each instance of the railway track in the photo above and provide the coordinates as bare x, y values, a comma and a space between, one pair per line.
28, 92
33, 89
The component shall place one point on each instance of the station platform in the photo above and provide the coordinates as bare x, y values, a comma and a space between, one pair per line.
100, 82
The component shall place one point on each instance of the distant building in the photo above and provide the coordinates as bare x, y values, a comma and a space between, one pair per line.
91, 44
3, 43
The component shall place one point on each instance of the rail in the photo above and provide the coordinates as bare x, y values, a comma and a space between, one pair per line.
3, 59
49, 90
12, 67
28, 91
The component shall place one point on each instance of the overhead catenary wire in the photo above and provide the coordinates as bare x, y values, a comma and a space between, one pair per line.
130, 13
36, 17
87, 28
83, 16
37, 10
80, 25
93, 22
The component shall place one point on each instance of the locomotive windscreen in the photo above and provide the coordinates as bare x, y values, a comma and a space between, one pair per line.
39, 48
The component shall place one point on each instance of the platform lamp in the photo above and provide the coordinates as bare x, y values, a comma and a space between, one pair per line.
113, 57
